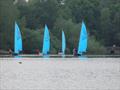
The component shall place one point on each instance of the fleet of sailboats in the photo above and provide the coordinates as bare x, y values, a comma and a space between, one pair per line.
82, 45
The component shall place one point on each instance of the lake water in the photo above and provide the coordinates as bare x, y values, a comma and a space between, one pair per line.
83, 73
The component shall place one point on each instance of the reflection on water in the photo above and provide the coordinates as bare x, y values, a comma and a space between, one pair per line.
46, 56
63, 56
83, 58
17, 56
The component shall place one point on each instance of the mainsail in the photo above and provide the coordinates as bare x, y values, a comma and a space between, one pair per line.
82, 40
46, 41
63, 43
17, 40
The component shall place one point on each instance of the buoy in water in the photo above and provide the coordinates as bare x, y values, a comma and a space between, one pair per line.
20, 62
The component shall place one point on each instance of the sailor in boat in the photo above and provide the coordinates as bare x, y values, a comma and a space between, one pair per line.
10, 52
37, 51
60, 52
113, 49
75, 51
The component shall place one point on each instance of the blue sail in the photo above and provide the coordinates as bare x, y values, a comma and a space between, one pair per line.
63, 43
82, 40
17, 40
46, 41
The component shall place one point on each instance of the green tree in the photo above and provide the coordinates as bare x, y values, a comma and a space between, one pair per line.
87, 10
71, 30
105, 26
8, 15
42, 12
116, 23
95, 47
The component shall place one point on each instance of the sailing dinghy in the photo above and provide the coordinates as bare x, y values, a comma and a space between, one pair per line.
63, 43
17, 40
82, 40
46, 41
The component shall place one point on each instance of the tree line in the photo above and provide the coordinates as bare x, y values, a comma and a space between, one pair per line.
102, 19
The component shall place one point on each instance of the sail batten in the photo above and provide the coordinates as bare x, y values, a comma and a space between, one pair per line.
82, 40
